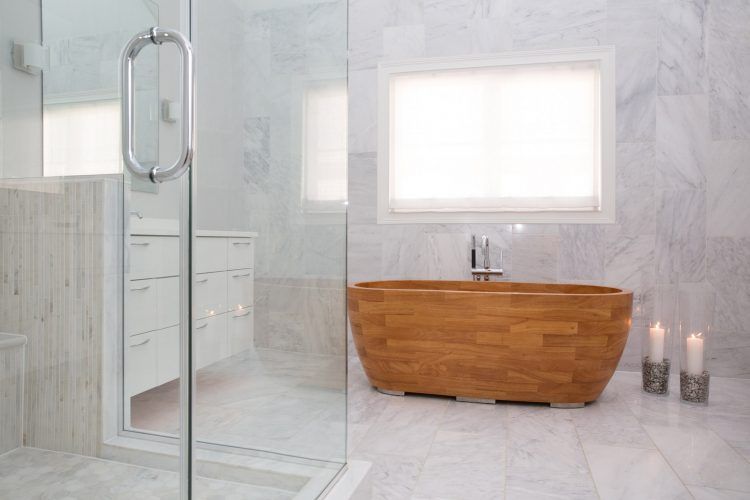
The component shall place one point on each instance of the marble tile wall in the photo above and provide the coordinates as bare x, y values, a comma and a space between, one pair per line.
20, 103
60, 245
300, 256
683, 150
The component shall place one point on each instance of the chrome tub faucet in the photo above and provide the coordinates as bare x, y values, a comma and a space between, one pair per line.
486, 271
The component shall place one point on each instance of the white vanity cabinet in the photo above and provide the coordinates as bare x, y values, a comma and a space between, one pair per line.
222, 302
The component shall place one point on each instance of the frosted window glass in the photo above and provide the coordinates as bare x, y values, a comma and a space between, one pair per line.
325, 136
523, 137
82, 138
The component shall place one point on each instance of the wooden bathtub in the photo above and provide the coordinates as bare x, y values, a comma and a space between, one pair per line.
486, 341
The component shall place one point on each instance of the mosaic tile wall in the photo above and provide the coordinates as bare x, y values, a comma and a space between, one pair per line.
61, 241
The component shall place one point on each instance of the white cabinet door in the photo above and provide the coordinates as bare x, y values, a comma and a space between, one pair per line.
168, 300
140, 363
240, 289
211, 254
210, 340
141, 307
153, 256
240, 330
168, 354
240, 253
210, 294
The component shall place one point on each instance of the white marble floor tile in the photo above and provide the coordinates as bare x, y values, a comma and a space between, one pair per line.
632, 474
705, 493
599, 424
474, 417
545, 458
700, 457
33, 474
393, 477
464, 465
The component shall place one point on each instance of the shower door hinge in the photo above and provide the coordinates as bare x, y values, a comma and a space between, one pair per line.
30, 57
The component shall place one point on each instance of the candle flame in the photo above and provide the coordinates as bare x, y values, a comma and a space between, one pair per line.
657, 324
696, 336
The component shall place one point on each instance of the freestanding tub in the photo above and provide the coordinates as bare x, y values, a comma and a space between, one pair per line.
487, 341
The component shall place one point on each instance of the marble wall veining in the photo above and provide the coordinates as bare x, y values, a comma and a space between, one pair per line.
300, 255
60, 256
683, 151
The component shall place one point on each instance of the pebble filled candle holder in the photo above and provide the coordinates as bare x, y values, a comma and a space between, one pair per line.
696, 310
656, 345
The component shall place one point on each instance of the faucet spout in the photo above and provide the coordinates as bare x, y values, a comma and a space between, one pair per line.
486, 271
486, 251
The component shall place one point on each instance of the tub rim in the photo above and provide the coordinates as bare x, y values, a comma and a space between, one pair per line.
614, 291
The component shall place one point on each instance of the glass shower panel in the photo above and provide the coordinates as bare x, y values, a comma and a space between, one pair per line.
271, 181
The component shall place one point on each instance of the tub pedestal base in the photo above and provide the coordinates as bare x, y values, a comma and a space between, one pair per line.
462, 399
390, 393
567, 405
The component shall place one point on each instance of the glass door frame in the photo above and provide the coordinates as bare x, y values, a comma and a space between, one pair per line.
186, 233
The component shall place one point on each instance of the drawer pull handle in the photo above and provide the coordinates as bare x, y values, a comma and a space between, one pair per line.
204, 280
241, 275
238, 243
241, 315
142, 343
140, 289
201, 327
140, 244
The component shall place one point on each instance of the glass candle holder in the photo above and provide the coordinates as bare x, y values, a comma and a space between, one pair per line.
696, 312
657, 342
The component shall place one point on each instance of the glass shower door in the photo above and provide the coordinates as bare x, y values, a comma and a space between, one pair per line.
266, 192
270, 260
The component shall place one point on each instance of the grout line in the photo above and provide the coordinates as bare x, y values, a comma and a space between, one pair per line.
661, 454
507, 454
586, 458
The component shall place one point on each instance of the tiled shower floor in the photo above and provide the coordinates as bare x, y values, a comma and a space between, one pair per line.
279, 401
29, 473
625, 446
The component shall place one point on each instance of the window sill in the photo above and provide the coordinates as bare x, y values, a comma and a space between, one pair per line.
604, 216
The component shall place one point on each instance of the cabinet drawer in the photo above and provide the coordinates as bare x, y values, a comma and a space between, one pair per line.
210, 340
141, 307
140, 363
153, 256
240, 253
168, 354
240, 289
240, 330
168, 302
211, 255
210, 294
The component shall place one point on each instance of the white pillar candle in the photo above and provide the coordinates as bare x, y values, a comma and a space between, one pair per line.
694, 355
656, 344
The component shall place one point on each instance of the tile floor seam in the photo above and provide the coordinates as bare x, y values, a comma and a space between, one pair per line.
429, 450
666, 460
659, 451
586, 458
505, 462
747, 458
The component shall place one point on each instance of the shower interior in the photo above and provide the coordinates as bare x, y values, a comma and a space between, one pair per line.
80, 238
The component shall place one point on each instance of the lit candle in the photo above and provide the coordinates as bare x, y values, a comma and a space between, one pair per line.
656, 344
695, 354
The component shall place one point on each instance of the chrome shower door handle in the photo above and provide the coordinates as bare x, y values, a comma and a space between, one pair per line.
158, 36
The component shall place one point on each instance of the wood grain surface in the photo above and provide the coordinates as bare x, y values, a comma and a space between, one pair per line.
535, 342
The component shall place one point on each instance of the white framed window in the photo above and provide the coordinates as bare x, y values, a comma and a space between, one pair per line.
82, 138
324, 146
513, 138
